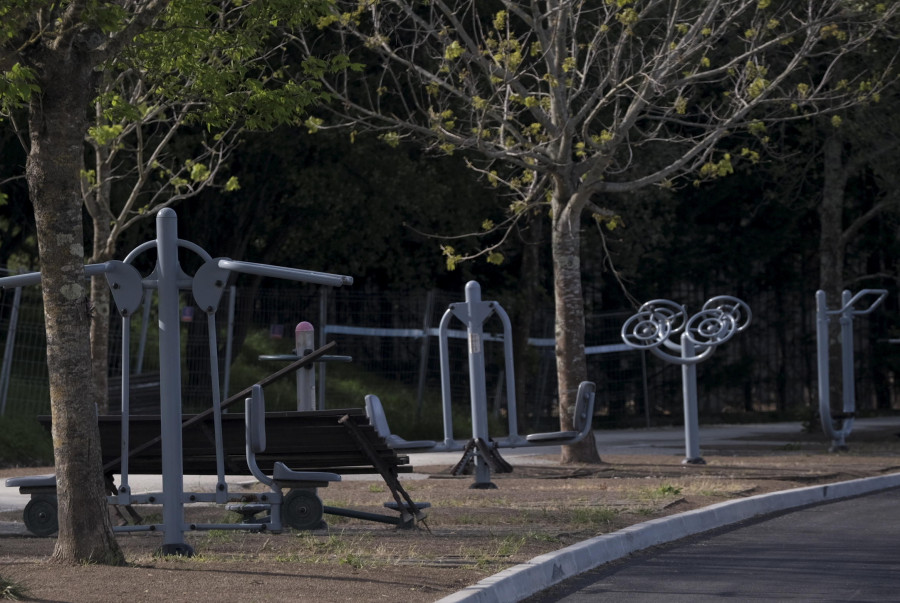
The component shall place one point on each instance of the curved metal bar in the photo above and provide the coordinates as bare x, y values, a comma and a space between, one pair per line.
134, 253
511, 412
196, 249
680, 360
673, 313
444, 351
848, 304
645, 330
738, 309
710, 327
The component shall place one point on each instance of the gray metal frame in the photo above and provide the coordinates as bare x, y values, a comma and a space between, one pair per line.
658, 323
482, 448
206, 285
838, 428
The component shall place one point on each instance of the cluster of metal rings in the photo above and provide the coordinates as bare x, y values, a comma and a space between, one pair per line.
658, 320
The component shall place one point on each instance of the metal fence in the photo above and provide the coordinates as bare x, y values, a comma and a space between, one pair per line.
391, 339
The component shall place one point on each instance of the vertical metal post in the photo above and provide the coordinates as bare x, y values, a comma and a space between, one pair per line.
323, 320
124, 488
168, 272
229, 338
510, 373
646, 388
824, 377
423, 352
691, 413
474, 315
142, 342
10, 345
446, 398
848, 384
304, 343
221, 487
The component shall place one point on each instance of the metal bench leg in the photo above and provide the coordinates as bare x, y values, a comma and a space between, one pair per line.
409, 511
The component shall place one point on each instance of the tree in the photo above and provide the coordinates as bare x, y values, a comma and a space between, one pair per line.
52, 57
146, 149
566, 102
852, 145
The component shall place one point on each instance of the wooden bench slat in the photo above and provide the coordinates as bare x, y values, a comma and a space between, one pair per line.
302, 440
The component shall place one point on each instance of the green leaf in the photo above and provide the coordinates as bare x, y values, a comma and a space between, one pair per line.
495, 257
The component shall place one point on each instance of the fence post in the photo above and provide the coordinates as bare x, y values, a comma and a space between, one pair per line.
323, 321
304, 343
8, 349
423, 354
229, 342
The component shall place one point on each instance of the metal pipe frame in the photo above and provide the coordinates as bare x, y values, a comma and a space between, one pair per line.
839, 428
656, 325
169, 279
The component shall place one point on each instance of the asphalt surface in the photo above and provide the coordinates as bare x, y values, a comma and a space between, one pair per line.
841, 551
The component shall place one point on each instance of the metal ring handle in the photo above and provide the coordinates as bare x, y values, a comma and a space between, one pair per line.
711, 327
673, 313
645, 330
736, 308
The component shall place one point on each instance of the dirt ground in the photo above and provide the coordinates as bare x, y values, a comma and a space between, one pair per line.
469, 534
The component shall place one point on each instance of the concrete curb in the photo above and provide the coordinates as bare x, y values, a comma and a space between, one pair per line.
526, 579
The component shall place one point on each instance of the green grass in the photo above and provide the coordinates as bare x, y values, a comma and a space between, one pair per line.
668, 490
594, 515
11, 590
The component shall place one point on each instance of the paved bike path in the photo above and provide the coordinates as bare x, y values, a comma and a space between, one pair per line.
527, 579
841, 551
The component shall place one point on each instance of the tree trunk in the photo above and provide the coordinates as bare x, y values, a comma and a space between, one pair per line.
57, 123
571, 363
98, 202
525, 358
831, 254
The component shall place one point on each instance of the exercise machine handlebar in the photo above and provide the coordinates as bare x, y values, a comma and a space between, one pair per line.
291, 274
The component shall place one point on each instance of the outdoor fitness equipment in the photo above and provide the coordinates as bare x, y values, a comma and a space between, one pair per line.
481, 449
656, 326
206, 285
304, 339
837, 426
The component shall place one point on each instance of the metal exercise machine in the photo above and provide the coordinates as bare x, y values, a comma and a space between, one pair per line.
481, 450
663, 327
838, 426
304, 340
168, 278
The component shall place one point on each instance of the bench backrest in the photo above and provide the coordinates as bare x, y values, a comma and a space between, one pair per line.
584, 405
303, 440
255, 418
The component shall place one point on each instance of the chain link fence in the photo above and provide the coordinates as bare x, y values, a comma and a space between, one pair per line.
391, 338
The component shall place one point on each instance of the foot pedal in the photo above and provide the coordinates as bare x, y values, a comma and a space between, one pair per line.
249, 511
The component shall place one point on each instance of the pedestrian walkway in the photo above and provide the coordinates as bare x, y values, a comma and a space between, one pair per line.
522, 581
842, 551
